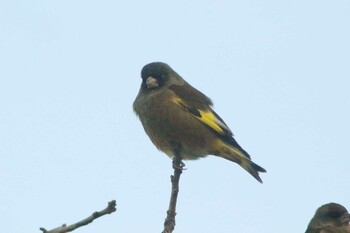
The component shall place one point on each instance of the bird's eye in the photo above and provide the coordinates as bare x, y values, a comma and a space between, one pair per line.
335, 214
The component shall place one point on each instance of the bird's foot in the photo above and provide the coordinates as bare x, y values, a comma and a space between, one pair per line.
178, 164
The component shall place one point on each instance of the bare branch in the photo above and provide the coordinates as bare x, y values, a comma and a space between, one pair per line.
178, 166
111, 207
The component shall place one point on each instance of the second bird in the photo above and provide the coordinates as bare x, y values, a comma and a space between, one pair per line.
179, 119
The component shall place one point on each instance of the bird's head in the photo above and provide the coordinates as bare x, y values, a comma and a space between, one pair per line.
156, 75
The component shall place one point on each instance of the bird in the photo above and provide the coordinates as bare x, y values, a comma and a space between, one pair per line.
330, 218
178, 118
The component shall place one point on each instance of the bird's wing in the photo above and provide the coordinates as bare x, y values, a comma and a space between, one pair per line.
196, 103
191, 95
199, 106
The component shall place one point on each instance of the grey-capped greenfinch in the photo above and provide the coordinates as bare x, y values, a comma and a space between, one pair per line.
330, 218
175, 114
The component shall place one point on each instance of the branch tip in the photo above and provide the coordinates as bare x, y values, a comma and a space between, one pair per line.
111, 207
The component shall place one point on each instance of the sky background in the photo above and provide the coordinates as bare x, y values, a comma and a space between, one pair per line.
277, 71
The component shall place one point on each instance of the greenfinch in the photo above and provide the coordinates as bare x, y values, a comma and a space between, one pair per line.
178, 117
330, 218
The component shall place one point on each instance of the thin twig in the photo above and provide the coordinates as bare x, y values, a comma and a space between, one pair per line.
111, 207
178, 165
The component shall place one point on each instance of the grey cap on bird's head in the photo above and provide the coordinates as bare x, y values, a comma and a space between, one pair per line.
161, 71
156, 69
331, 210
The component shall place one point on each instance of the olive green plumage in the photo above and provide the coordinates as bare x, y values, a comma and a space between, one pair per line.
173, 112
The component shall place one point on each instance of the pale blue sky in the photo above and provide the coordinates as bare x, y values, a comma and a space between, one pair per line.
277, 71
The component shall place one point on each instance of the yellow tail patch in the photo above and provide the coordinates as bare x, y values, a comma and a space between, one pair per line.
228, 151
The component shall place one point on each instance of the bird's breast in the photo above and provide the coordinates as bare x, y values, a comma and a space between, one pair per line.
166, 123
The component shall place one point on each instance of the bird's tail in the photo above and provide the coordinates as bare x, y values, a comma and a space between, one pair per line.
238, 155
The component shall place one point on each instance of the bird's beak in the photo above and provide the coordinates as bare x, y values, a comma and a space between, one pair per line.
346, 218
152, 82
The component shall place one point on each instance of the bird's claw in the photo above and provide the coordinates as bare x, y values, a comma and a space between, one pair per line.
179, 165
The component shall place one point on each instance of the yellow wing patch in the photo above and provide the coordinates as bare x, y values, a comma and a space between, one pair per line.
207, 117
211, 120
